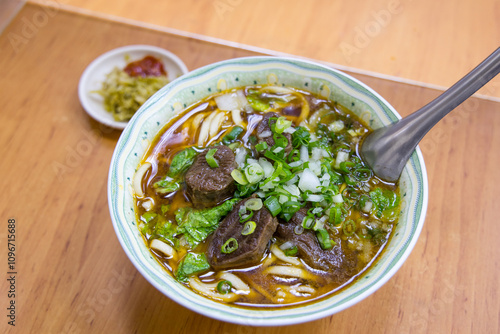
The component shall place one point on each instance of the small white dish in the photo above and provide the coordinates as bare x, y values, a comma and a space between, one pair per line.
93, 76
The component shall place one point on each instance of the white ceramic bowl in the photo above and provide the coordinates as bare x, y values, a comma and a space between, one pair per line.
184, 91
93, 76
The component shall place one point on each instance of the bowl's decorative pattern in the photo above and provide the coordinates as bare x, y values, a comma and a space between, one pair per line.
190, 88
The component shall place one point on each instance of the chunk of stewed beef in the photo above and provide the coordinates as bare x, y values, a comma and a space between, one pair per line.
207, 186
335, 261
251, 247
264, 132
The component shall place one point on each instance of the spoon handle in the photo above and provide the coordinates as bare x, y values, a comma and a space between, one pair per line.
388, 149
429, 115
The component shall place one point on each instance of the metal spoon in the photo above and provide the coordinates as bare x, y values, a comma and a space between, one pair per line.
386, 150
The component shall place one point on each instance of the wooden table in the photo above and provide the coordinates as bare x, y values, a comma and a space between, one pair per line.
72, 275
433, 42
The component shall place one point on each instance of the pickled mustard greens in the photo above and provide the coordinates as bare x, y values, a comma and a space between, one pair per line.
125, 90
297, 213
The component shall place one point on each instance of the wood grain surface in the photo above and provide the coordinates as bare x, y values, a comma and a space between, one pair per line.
72, 274
435, 42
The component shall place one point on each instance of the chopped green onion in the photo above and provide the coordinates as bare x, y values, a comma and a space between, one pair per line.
362, 174
234, 146
280, 141
273, 205
301, 137
254, 173
344, 166
308, 222
254, 204
229, 246
239, 177
212, 162
324, 239
232, 135
262, 146
299, 229
249, 227
274, 157
246, 216
224, 287
349, 227
335, 215
290, 207
282, 124
291, 251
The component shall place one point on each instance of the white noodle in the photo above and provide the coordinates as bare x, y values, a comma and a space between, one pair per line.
215, 124
136, 183
278, 90
281, 255
316, 117
236, 114
305, 288
163, 247
197, 120
209, 290
281, 294
235, 281
287, 271
299, 290
205, 128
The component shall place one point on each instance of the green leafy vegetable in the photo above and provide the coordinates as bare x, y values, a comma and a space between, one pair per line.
386, 201
148, 216
182, 161
257, 103
165, 230
196, 225
167, 185
191, 264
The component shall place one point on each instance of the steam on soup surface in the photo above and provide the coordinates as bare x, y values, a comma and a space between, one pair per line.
256, 196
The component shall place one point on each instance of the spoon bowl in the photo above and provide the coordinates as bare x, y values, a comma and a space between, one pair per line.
386, 150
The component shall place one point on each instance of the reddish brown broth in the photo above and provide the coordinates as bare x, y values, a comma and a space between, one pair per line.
175, 137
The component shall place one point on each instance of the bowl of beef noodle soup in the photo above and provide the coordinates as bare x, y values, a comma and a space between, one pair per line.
237, 191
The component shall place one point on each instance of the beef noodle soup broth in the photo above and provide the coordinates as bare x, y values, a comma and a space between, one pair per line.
257, 196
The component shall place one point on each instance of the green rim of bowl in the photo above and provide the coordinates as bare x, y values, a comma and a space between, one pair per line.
207, 80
